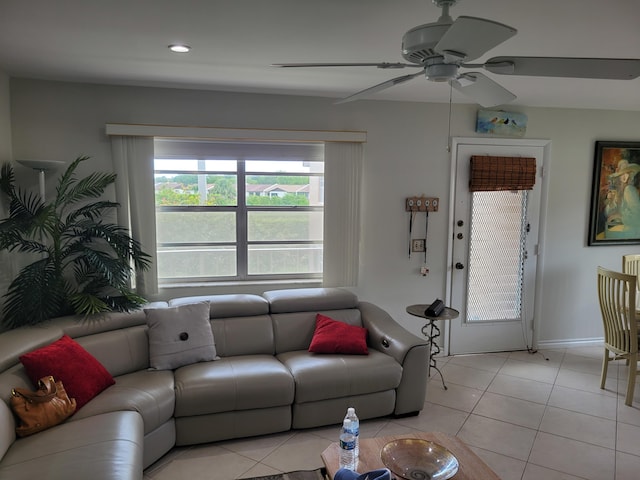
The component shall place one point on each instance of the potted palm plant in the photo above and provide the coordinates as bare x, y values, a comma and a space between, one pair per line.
83, 264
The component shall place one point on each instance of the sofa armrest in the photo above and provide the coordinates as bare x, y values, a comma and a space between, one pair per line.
385, 334
409, 350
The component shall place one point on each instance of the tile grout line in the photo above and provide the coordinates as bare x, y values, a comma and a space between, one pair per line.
546, 406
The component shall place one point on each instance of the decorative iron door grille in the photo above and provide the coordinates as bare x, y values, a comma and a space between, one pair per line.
497, 251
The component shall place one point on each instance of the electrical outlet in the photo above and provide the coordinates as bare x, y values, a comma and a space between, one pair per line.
418, 245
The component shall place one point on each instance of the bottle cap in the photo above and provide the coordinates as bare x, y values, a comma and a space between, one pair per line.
351, 411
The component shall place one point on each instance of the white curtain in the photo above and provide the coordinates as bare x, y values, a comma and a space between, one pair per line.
133, 164
342, 180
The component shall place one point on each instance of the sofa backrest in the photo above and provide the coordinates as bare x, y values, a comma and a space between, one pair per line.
294, 311
241, 323
117, 340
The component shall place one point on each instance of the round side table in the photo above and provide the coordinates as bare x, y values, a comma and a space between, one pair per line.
432, 331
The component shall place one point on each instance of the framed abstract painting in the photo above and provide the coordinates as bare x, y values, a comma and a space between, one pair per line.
615, 195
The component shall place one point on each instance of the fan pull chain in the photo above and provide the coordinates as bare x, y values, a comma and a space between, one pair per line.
449, 125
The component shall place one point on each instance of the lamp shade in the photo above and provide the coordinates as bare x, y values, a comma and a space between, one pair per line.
41, 164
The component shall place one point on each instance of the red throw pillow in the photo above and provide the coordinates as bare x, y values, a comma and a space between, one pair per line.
332, 336
82, 375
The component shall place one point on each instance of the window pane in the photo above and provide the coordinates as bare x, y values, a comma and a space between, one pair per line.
195, 165
266, 226
287, 166
192, 189
284, 259
176, 227
284, 190
196, 262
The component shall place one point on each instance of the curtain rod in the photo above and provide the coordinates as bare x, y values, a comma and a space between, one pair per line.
217, 133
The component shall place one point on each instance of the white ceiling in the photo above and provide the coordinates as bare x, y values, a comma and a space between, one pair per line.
234, 42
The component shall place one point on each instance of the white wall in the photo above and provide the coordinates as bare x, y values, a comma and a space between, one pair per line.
5, 119
6, 265
405, 155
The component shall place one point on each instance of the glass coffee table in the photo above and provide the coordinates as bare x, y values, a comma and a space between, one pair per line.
471, 466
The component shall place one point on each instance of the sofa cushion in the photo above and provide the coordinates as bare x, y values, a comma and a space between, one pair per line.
102, 447
332, 336
232, 337
294, 331
121, 351
148, 392
309, 299
321, 377
82, 375
179, 336
7, 428
228, 305
232, 383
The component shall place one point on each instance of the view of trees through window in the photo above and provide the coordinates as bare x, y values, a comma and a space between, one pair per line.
182, 189
206, 230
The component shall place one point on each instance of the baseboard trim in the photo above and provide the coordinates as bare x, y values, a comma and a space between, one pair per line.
576, 342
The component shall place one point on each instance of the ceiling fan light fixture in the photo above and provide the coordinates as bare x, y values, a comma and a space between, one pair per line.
179, 48
441, 72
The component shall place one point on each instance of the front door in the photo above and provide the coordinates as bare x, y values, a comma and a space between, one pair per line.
494, 253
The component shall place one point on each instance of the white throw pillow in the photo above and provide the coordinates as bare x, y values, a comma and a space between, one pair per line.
179, 336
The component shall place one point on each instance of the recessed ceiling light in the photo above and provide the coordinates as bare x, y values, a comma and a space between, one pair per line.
178, 48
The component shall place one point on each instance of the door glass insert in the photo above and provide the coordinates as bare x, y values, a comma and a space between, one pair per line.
496, 256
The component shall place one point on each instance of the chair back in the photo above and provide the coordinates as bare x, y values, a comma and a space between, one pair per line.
617, 297
631, 264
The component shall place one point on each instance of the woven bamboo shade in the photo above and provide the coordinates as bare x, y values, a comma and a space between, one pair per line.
489, 174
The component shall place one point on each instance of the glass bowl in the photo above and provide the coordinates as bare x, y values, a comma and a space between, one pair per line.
415, 459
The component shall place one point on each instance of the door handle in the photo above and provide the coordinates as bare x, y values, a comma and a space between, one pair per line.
459, 266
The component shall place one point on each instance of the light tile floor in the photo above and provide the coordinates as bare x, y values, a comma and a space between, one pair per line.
529, 416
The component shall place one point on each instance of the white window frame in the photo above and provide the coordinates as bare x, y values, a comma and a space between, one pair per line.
241, 211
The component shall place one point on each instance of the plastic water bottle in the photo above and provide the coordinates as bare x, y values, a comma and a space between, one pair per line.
347, 446
355, 427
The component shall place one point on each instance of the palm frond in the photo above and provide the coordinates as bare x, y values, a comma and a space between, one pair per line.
15, 232
129, 300
70, 190
28, 246
25, 205
102, 265
92, 211
35, 295
88, 304
67, 180
116, 237
7, 178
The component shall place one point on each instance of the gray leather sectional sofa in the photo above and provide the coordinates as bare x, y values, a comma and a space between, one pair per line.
265, 381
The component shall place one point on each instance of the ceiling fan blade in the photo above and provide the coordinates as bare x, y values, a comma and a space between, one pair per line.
471, 37
383, 65
482, 89
379, 87
603, 68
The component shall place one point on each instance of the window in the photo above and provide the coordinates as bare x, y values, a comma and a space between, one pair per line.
495, 283
238, 211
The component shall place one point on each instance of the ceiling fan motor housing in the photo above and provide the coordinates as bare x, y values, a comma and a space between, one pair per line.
418, 43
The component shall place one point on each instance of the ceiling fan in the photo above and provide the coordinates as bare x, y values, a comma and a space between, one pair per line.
442, 49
